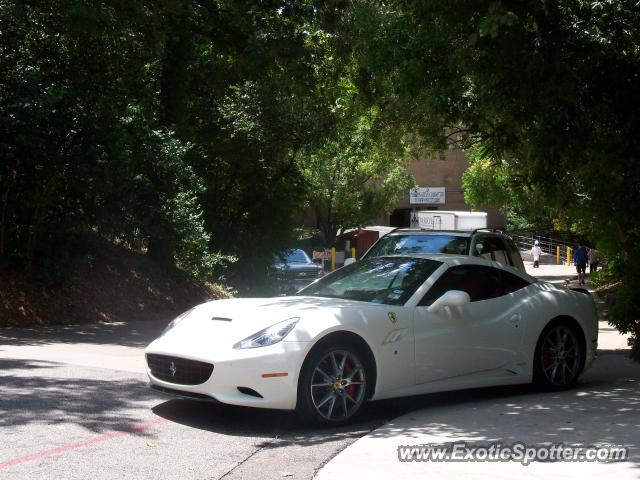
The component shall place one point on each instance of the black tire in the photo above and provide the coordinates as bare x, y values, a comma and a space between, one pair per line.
333, 384
559, 356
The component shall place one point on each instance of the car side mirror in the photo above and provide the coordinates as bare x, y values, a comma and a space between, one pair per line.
452, 298
349, 261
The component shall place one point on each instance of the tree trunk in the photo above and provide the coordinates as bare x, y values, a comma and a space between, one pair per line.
162, 248
4, 203
173, 85
173, 81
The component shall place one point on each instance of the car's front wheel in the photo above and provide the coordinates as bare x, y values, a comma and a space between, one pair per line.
333, 385
559, 356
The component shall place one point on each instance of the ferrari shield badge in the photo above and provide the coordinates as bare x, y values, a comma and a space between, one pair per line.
392, 317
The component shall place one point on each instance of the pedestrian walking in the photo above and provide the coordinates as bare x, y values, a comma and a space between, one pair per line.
580, 258
536, 251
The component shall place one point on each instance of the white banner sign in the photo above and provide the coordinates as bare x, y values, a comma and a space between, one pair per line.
429, 195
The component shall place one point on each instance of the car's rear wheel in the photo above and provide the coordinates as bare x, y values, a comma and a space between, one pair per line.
559, 356
333, 385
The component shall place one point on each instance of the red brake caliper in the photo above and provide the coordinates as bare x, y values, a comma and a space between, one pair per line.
350, 389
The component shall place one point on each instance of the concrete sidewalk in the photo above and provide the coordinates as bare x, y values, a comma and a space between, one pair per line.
603, 409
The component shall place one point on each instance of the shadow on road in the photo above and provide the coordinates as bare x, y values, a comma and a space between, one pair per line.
288, 428
45, 393
127, 334
277, 428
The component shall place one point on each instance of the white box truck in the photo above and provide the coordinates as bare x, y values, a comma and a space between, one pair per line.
448, 220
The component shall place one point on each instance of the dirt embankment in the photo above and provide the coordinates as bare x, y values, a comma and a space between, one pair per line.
113, 284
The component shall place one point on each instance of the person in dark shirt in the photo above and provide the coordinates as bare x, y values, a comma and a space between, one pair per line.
580, 257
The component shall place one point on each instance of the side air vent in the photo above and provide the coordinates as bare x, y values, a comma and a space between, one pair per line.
249, 391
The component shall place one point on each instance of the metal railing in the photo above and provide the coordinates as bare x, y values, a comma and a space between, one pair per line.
560, 248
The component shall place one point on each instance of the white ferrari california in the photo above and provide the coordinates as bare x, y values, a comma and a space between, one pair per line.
379, 328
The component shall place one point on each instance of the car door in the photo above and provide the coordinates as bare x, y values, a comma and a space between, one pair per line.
480, 336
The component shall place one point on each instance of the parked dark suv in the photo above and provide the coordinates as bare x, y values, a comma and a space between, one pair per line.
485, 243
292, 270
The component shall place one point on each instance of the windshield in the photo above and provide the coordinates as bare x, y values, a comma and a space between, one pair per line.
387, 280
418, 243
293, 256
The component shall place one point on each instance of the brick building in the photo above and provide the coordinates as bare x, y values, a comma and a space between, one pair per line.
439, 182
443, 179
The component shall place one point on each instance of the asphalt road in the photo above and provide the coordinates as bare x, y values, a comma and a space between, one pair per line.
74, 404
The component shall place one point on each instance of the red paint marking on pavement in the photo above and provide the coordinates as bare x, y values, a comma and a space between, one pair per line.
83, 443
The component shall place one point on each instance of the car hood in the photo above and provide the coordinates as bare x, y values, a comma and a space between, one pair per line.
222, 323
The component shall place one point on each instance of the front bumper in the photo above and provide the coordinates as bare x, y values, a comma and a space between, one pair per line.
170, 392
251, 370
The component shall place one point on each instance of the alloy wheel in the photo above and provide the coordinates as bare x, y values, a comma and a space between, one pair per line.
338, 385
561, 356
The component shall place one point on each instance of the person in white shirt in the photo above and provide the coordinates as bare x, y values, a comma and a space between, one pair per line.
536, 251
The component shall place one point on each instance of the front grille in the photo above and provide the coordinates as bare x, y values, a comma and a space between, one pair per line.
307, 274
178, 370
300, 274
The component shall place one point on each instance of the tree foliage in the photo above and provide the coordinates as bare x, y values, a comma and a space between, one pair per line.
355, 176
490, 182
83, 150
186, 128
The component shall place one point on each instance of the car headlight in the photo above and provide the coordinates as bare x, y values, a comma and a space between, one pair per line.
270, 335
177, 320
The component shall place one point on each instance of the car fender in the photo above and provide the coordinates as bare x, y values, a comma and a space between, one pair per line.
320, 334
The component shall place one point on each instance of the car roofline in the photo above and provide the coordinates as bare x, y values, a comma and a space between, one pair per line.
427, 230
459, 232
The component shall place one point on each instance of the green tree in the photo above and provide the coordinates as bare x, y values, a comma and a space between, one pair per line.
248, 107
172, 124
355, 176
63, 141
491, 182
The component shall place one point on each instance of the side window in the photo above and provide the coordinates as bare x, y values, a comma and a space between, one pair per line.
484, 248
512, 283
492, 248
500, 252
481, 283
